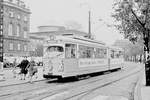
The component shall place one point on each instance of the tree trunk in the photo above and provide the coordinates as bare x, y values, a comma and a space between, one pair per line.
147, 62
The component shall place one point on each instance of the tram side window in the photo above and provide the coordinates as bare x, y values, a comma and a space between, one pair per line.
116, 54
119, 54
82, 51
100, 53
70, 50
112, 54
86, 52
105, 53
90, 52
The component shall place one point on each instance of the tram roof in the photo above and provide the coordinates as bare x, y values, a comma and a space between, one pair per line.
115, 48
79, 39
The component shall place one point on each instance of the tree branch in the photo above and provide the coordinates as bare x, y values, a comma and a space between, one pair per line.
142, 24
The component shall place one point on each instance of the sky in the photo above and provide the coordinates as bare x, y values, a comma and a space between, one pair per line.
60, 12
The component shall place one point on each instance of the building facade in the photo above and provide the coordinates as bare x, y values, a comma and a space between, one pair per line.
1, 30
16, 24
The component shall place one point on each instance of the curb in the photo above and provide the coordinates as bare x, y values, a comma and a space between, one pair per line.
137, 89
20, 82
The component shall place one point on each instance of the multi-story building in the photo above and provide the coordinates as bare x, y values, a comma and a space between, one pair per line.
16, 24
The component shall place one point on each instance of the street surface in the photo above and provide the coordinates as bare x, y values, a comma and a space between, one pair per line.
117, 85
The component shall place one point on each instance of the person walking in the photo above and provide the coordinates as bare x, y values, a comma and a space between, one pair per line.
23, 66
32, 70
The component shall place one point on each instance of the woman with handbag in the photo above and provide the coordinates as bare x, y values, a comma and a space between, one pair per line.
32, 70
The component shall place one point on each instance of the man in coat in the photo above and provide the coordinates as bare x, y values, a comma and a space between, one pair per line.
23, 66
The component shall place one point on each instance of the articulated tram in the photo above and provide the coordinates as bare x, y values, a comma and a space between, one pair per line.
75, 56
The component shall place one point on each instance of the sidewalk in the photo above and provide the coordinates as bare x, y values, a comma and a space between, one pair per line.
6, 78
145, 90
142, 92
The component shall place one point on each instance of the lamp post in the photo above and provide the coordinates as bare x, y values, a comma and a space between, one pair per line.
89, 18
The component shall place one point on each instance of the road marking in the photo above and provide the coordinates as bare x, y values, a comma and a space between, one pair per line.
100, 97
56, 95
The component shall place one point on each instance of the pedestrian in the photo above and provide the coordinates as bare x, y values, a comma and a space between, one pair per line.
32, 70
23, 66
6, 64
15, 62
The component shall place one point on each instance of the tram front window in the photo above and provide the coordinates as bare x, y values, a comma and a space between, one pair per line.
55, 49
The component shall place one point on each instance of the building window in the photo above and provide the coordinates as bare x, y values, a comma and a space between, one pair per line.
19, 47
18, 16
10, 29
1, 26
11, 46
18, 30
11, 14
1, 44
1, 33
25, 34
25, 47
25, 18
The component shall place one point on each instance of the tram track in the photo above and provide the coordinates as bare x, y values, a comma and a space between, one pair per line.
9, 95
85, 93
27, 87
92, 88
17, 84
55, 89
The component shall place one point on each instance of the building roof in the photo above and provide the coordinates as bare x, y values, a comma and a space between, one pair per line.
51, 26
17, 4
62, 32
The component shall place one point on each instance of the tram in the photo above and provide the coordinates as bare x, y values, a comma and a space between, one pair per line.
75, 56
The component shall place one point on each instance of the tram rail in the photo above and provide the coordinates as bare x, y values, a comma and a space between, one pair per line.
45, 91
